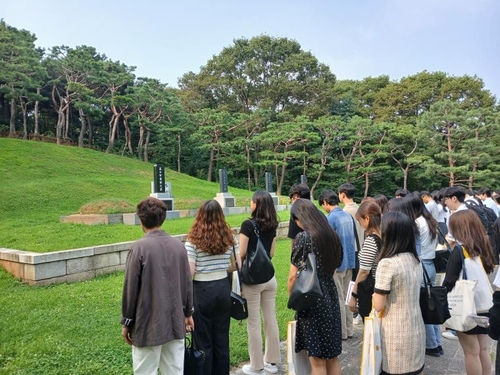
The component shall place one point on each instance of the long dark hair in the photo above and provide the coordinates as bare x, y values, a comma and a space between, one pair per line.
210, 231
395, 240
404, 206
467, 228
264, 214
420, 210
326, 241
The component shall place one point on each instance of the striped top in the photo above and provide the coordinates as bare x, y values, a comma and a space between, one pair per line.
206, 263
369, 253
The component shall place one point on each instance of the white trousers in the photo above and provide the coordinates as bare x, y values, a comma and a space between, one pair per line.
169, 357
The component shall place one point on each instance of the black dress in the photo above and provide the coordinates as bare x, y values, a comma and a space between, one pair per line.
318, 329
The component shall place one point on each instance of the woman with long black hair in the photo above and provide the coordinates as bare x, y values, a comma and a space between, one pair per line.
261, 297
319, 328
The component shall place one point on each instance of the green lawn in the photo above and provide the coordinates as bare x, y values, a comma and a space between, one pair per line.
74, 328
39, 182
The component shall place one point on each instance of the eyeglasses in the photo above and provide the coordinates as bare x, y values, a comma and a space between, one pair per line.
445, 198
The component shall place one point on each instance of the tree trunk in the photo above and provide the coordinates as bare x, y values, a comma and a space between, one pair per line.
179, 152
24, 109
12, 127
66, 124
83, 120
367, 184
128, 137
210, 165
113, 124
146, 144
249, 175
405, 178
37, 114
90, 131
276, 176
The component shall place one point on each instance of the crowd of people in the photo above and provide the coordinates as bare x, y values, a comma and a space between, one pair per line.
369, 258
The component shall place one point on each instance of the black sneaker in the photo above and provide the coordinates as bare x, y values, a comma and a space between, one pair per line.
441, 351
433, 352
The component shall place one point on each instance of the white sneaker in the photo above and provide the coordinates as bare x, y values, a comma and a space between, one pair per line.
449, 335
357, 320
247, 369
269, 367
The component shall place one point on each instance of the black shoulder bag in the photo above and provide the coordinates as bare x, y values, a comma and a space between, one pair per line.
257, 267
239, 308
433, 302
306, 290
442, 256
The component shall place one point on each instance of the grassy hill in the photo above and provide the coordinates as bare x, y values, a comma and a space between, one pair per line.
39, 182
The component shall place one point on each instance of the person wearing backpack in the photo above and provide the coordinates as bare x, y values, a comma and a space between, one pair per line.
262, 296
485, 195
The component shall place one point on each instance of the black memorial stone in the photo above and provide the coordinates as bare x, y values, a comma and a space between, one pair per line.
159, 178
223, 180
269, 182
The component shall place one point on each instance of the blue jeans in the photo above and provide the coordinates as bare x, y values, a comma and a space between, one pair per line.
432, 331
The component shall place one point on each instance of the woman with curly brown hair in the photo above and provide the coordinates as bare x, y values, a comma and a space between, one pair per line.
209, 246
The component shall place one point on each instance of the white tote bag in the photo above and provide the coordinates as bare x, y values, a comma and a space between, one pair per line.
483, 294
461, 304
371, 355
297, 363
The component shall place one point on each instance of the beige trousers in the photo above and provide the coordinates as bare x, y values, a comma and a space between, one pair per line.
169, 357
262, 297
342, 279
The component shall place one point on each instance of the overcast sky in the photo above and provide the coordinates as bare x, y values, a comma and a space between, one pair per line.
165, 39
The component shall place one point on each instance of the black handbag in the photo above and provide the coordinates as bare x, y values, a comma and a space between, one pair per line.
239, 308
365, 293
433, 302
306, 290
257, 267
193, 358
442, 256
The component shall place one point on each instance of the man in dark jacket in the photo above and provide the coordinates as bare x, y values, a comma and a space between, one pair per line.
157, 303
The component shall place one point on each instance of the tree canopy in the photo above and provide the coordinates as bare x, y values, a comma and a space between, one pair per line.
262, 104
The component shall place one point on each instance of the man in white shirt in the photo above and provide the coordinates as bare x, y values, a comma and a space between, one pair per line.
485, 195
430, 204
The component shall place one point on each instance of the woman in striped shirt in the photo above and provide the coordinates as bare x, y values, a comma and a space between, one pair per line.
369, 216
209, 247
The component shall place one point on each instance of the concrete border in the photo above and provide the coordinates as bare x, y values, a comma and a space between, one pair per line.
76, 264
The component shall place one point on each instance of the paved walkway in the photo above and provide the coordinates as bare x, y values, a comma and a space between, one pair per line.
451, 363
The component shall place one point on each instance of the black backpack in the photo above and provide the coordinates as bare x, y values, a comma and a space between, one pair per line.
486, 214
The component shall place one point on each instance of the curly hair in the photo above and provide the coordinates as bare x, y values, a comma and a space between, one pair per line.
210, 231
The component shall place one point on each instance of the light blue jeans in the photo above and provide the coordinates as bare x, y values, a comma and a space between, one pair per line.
432, 331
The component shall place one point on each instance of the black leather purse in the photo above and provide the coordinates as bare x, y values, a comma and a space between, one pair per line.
442, 256
257, 267
239, 308
306, 290
193, 358
433, 302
